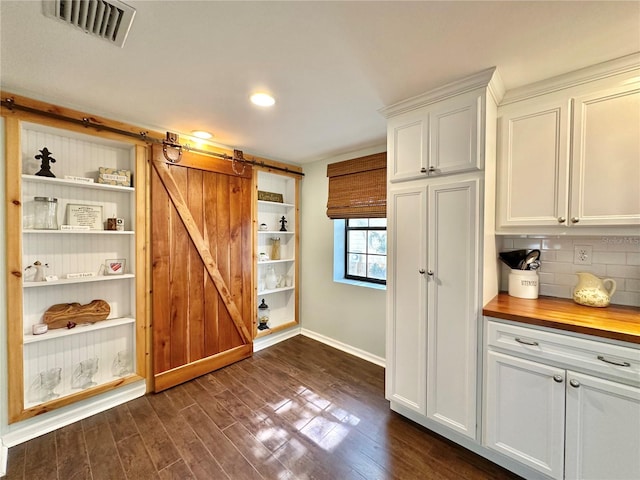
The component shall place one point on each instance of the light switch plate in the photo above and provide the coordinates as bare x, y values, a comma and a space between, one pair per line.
582, 254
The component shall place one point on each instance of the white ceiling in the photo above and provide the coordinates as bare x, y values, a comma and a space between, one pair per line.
331, 65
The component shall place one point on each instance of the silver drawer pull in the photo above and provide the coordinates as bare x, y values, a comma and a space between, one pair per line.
527, 342
613, 362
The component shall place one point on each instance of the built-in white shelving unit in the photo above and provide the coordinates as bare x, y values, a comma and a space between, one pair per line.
283, 298
64, 365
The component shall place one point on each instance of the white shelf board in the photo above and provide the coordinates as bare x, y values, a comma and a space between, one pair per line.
274, 232
277, 204
77, 330
276, 290
267, 262
75, 183
68, 281
80, 232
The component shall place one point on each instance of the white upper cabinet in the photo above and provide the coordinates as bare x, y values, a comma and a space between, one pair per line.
605, 180
408, 146
454, 134
571, 157
441, 132
533, 164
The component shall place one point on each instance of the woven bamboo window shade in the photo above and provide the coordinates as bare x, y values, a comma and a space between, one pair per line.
358, 187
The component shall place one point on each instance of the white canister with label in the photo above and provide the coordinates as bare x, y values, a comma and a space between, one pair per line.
523, 283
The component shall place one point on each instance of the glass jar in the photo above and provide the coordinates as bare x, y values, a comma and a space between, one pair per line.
45, 213
263, 316
275, 248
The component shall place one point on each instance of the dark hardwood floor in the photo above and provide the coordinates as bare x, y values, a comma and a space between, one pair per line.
299, 409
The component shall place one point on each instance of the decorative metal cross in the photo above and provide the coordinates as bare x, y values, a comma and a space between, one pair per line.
282, 222
45, 167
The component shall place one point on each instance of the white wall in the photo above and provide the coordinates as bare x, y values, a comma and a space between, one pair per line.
346, 314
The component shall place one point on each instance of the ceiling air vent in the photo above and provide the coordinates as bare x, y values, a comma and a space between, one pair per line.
109, 20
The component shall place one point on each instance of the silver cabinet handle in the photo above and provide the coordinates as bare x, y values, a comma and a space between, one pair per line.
423, 170
613, 362
561, 219
430, 273
527, 342
421, 271
558, 378
575, 219
574, 383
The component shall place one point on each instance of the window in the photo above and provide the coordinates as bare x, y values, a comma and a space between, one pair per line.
365, 257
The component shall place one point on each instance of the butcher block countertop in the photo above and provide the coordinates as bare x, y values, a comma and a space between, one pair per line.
615, 322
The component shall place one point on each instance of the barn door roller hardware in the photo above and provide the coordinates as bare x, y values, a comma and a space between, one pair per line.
172, 142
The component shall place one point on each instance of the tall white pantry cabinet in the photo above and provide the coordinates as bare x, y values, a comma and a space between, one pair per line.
442, 259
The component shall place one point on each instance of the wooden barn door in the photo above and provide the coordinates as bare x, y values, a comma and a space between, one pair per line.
201, 257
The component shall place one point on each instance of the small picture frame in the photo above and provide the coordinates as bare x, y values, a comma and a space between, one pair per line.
114, 266
270, 196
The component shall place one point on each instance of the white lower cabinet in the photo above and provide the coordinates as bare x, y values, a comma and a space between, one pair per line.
524, 412
433, 301
562, 423
602, 429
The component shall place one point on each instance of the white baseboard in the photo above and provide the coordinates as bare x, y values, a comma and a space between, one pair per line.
34, 427
4, 453
369, 357
269, 340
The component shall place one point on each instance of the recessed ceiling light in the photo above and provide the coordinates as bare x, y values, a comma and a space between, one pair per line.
201, 134
262, 99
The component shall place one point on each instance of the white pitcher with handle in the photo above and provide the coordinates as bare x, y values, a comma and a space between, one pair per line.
592, 291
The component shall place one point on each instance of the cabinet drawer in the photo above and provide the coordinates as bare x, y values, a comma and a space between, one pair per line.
614, 361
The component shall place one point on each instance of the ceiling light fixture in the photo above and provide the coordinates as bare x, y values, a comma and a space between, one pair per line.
201, 134
262, 99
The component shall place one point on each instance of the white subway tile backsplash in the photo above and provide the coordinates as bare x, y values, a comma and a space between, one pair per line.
566, 279
610, 258
631, 299
557, 243
631, 285
621, 244
564, 256
626, 271
633, 258
558, 267
613, 257
562, 291
528, 243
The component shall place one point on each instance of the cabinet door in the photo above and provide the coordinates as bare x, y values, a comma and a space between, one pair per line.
452, 284
606, 158
406, 309
524, 412
603, 429
454, 134
407, 146
533, 163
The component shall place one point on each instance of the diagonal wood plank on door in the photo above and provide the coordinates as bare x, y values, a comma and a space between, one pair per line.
201, 248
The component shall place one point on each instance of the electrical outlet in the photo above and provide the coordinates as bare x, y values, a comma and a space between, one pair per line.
582, 254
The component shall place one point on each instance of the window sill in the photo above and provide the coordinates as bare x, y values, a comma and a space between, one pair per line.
359, 283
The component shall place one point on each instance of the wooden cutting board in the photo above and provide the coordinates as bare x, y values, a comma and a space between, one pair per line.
58, 316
